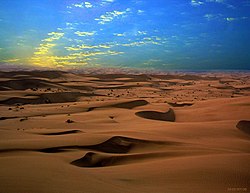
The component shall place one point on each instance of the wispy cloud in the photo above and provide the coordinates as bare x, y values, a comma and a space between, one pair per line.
211, 17
81, 5
221, 18
88, 5
94, 53
145, 41
196, 2
53, 36
224, 2
119, 34
43, 53
85, 33
216, 1
84, 46
141, 32
106, 2
230, 19
14, 60
151, 62
110, 16
80, 55
140, 12
85, 4
203, 2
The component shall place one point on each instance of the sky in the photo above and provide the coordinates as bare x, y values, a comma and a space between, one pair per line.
144, 34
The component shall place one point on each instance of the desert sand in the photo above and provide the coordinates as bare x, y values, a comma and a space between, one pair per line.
124, 133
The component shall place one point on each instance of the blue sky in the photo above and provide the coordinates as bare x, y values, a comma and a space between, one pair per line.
147, 34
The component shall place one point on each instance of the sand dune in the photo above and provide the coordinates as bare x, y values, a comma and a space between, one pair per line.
45, 98
40, 74
176, 132
23, 84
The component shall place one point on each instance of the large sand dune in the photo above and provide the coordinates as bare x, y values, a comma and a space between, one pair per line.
124, 133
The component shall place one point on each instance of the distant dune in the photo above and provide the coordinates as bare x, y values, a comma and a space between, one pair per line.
126, 131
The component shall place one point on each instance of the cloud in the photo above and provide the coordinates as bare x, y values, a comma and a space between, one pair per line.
110, 16
14, 60
211, 17
221, 18
221, 2
203, 2
244, 17
73, 48
81, 5
69, 24
85, 4
106, 2
141, 32
82, 58
83, 46
84, 55
196, 3
88, 5
151, 62
85, 33
230, 19
119, 34
53, 36
140, 12
216, 1
43, 53
145, 41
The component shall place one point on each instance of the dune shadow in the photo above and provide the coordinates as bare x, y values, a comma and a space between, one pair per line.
154, 115
116, 144
63, 132
180, 104
94, 160
244, 126
123, 105
131, 104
